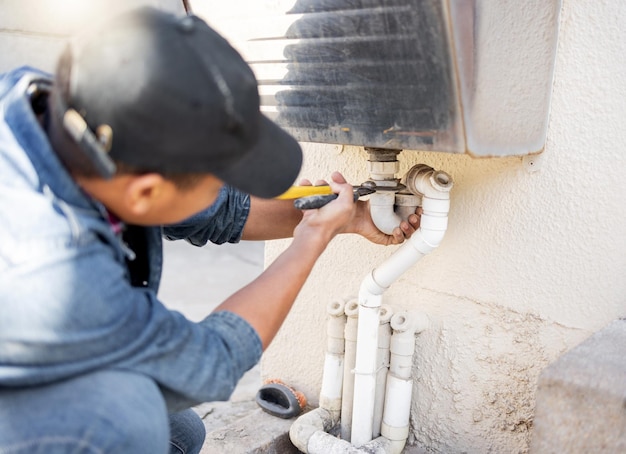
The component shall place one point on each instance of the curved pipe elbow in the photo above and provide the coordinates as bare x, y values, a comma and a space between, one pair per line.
370, 292
421, 180
382, 211
431, 239
424, 180
318, 420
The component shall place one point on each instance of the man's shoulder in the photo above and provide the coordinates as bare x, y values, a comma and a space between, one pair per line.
10, 79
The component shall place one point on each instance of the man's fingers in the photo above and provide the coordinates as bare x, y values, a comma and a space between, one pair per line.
338, 178
398, 235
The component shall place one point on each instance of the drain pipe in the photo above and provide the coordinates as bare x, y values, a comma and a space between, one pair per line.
391, 203
332, 379
352, 312
382, 360
326, 416
434, 186
309, 432
383, 166
398, 394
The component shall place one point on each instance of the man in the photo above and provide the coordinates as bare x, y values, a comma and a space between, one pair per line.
151, 127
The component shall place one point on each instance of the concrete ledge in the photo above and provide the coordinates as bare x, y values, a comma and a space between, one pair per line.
581, 397
257, 433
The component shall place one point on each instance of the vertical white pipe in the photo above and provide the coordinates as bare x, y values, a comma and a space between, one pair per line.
382, 362
365, 375
351, 311
332, 379
395, 426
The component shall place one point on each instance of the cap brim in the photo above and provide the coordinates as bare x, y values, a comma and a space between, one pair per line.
270, 167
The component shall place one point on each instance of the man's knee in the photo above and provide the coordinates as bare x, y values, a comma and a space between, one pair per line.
187, 432
106, 411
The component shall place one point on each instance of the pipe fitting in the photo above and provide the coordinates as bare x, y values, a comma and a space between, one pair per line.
332, 378
335, 327
406, 204
412, 322
405, 326
370, 292
308, 424
384, 171
424, 180
382, 211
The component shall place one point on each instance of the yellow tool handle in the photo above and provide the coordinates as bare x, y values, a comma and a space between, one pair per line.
295, 192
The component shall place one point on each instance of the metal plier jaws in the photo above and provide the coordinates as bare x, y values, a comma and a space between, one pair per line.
317, 201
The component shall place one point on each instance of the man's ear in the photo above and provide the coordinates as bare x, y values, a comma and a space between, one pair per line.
143, 192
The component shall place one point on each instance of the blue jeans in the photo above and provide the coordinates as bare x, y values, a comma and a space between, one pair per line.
102, 412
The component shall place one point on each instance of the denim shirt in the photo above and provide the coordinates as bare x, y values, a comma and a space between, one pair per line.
67, 306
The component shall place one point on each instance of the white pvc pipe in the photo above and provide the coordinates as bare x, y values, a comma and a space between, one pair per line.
382, 211
352, 312
434, 187
309, 432
332, 379
406, 204
326, 416
395, 426
308, 425
382, 362
365, 375
324, 443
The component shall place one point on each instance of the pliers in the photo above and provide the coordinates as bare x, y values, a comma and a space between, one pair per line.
313, 197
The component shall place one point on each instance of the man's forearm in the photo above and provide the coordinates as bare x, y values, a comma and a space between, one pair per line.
265, 302
270, 219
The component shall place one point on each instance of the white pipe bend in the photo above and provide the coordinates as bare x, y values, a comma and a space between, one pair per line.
420, 180
307, 425
309, 433
424, 180
382, 211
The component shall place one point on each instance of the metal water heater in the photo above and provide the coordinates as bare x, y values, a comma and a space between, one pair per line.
438, 75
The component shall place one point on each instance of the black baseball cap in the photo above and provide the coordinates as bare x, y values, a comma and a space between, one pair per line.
167, 93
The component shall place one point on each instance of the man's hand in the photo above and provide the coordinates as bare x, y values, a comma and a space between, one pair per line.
361, 220
312, 230
363, 225
332, 218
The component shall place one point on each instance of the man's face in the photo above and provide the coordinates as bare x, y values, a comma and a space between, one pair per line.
179, 204
151, 199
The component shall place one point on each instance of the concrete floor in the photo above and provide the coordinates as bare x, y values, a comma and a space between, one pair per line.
196, 280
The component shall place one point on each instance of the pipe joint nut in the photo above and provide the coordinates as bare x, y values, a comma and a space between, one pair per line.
394, 433
383, 170
436, 206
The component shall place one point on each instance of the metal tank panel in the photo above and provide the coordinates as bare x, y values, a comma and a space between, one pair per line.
455, 76
364, 74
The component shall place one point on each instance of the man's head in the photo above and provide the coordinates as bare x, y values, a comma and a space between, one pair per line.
155, 93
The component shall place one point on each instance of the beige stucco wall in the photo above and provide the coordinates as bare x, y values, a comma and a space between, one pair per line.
534, 260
